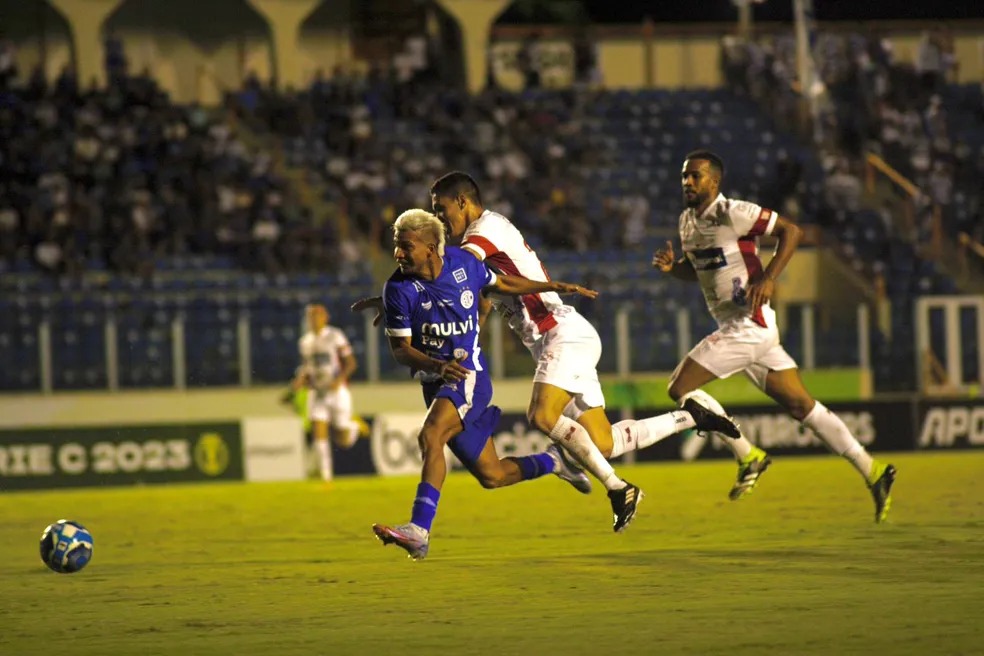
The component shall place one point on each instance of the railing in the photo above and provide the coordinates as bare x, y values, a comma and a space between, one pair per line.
949, 343
185, 341
876, 168
966, 244
182, 338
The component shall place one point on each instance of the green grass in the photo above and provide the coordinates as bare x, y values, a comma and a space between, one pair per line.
796, 568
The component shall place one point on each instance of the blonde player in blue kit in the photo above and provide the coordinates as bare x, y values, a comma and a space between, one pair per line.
431, 308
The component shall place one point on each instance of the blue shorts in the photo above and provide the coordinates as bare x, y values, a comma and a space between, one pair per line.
472, 398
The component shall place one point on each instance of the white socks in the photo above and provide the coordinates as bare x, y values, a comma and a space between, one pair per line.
324, 453
572, 436
351, 436
634, 434
740, 447
828, 427
831, 429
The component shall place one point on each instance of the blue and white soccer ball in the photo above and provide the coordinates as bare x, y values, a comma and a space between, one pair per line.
66, 546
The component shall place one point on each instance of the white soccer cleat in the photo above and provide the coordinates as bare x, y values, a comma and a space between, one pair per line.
410, 537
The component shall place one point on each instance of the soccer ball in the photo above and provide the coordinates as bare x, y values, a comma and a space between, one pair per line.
66, 546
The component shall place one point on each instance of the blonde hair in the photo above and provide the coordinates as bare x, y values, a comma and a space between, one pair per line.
424, 222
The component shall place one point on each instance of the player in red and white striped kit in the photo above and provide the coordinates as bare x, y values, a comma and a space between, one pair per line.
719, 237
567, 402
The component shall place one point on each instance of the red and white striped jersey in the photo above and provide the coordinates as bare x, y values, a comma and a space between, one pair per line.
722, 246
494, 239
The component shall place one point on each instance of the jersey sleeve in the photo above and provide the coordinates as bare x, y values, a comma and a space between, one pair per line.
397, 309
484, 275
479, 246
751, 220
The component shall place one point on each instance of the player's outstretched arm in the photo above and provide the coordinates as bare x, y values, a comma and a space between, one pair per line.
664, 260
519, 286
368, 303
300, 379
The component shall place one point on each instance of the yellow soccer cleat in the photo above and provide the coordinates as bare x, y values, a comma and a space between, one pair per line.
880, 484
750, 468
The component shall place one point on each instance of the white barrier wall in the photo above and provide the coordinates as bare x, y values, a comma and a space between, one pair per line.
74, 409
253, 449
273, 449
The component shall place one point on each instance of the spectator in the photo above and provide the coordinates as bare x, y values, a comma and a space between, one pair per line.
788, 176
115, 60
528, 61
929, 63
842, 189
941, 184
587, 74
8, 64
49, 254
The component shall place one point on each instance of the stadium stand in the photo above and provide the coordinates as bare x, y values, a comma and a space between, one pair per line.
119, 207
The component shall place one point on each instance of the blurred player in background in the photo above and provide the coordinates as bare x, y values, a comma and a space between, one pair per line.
432, 323
567, 403
720, 246
327, 363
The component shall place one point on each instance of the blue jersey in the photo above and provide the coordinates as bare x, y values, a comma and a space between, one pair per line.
440, 316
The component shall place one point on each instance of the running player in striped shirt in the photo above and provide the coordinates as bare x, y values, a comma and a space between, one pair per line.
720, 246
567, 402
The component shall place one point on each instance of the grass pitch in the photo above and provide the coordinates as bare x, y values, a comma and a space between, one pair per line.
798, 567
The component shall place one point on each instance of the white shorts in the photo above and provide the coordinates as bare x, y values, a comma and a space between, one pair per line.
743, 345
567, 357
334, 407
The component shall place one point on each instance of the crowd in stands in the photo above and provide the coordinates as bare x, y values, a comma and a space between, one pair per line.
869, 102
911, 116
118, 177
379, 140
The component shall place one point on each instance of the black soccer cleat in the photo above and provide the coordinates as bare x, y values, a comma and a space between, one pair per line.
708, 420
624, 504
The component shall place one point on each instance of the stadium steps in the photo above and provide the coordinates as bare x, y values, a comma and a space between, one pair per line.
310, 187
